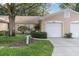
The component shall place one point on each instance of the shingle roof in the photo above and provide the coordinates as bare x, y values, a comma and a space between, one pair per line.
21, 19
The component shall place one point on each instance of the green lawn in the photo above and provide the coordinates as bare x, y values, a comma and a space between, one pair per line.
5, 40
37, 48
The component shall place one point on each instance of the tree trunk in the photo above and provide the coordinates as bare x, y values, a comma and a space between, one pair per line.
11, 25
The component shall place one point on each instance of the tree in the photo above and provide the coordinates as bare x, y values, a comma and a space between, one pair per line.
68, 5
41, 10
9, 9
74, 6
77, 7
11, 12
33, 9
12, 9
28, 9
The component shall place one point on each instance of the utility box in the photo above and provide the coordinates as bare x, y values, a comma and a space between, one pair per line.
28, 38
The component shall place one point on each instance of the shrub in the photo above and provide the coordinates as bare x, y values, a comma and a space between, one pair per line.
23, 29
39, 34
68, 35
2, 33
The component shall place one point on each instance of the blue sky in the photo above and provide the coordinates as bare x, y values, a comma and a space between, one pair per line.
54, 8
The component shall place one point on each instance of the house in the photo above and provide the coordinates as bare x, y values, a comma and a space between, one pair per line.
56, 25
29, 21
64, 21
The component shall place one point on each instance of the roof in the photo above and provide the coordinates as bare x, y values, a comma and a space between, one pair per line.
27, 19
2, 20
22, 19
60, 12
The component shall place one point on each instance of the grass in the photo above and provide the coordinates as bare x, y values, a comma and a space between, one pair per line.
38, 48
5, 40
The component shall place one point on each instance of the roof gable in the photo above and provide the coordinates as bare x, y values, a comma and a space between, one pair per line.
61, 14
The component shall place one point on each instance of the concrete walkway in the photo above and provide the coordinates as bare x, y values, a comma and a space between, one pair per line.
65, 47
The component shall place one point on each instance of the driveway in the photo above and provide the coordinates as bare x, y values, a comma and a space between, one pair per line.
65, 47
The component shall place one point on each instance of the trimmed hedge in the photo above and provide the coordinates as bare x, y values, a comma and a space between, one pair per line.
39, 34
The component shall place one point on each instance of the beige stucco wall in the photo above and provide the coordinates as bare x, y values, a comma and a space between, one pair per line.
3, 27
19, 21
28, 25
74, 16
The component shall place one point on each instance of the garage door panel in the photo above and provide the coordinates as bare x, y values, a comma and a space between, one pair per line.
53, 29
74, 29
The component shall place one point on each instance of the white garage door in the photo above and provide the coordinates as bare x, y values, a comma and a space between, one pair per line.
53, 29
74, 29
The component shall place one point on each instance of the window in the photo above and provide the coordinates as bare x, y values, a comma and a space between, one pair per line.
66, 13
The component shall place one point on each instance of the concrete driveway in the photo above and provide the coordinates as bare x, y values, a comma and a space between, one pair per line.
65, 47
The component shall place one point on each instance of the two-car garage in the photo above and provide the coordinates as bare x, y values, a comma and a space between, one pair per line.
60, 23
55, 29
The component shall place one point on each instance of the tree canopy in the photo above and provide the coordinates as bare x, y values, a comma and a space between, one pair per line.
74, 6
28, 9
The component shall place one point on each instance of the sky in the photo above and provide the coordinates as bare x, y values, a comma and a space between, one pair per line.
54, 8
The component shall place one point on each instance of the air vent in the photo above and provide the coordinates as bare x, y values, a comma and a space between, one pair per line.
66, 13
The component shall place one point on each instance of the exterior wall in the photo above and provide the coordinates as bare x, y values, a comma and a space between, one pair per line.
19, 21
42, 26
18, 25
3, 27
60, 17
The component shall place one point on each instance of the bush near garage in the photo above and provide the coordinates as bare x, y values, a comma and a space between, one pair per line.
39, 34
68, 35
